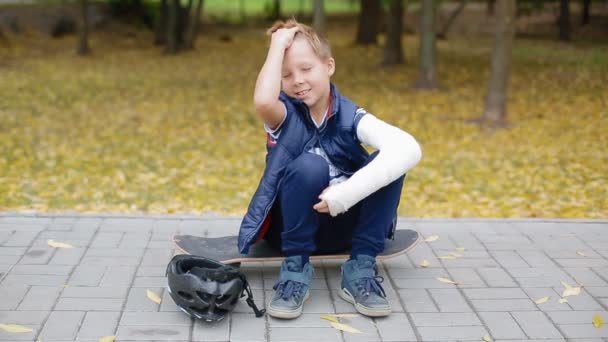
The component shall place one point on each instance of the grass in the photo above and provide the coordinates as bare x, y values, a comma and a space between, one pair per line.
129, 129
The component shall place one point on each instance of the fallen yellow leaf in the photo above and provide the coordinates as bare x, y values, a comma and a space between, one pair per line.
541, 300
566, 285
107, 339
446, 280
432, 238
329, 318
425, 263
487, 338
456, 255
56, 244
153, 296
344, 315
15, 328
572, 291
460, 249
598, 322
345, 327
580, 253
447, 257
562, 300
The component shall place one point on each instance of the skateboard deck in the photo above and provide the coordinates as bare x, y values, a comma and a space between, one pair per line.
225, 249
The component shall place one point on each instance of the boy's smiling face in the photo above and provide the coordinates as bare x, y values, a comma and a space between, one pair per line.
305, 76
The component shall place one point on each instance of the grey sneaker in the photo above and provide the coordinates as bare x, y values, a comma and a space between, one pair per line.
291, 290
361, 287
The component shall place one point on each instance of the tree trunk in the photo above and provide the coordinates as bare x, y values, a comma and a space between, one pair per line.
495, 110
369, 22
83, 42
242, 12
172, 31
444, 30
490, 7
162, 24
275, 13
318, 15
427, 73
564, 20
586, 11
393, 52
193, 26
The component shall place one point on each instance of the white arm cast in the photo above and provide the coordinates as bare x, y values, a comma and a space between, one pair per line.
399, 152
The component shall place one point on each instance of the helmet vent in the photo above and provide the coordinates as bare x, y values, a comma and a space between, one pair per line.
184, 295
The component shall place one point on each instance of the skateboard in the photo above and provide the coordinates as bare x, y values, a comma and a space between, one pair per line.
224, 249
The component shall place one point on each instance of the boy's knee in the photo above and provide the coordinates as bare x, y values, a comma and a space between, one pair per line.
309, 169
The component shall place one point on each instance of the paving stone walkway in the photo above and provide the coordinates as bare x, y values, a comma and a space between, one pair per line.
99, 287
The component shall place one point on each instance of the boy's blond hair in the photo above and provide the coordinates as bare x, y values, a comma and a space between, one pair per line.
319, 44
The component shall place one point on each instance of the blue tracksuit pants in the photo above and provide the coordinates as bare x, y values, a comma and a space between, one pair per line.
298, 229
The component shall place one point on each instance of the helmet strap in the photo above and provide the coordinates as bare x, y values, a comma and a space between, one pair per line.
246, 287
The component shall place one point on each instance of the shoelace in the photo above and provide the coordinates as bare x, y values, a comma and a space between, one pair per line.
367, 285
289, 288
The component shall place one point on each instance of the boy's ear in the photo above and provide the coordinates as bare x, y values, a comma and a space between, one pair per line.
331, 66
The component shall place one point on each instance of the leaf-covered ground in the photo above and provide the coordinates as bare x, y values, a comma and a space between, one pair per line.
129, 129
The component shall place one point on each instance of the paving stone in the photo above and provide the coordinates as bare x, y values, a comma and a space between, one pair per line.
362, 323
466, 277
496, 277
452, 333
305, 334
575, 317
586, 276
85, 275
402, 261
509, 259
29, 336
537, 259
21, 238
577, 262
107, 240
445, 319
137, 300
467, 241
61, 325
417, 300
247, 327
155, 318
503, 305
40, 298
42, 269
9, 259
31, 279
12, 295
151, 271
552, 304
601, 291
37, 255
118, 276
423, 252
13, 251
495, 293
89, 304
94, 292
583, 302
152, 332
583, 331
536, 325
395, 327
71, 256
449, 300
98, 324
150, 282
153, 257
417, 273
110, 261
211, 332
501, 325
135, 240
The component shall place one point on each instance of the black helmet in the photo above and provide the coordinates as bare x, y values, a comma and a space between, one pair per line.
205, 288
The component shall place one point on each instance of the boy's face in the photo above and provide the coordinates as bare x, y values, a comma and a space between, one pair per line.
305, 76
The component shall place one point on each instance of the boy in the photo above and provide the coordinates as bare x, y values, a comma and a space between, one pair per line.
321, 192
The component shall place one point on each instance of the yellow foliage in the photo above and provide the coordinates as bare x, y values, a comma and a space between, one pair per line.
130, 129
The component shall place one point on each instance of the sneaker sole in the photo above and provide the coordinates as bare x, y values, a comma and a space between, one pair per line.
344, 294
287, 314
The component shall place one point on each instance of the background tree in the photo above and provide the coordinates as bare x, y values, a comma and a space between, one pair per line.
495, 110
393, 51
585, 12
369, 22
564, 20
172, 27
427, 73
490, 4
318, 15
442, 34
83, 41
193, 26
162, 24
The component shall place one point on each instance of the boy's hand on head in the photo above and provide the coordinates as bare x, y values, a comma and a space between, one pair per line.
284, 37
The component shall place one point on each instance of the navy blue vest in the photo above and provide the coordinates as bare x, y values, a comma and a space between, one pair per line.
298, 133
